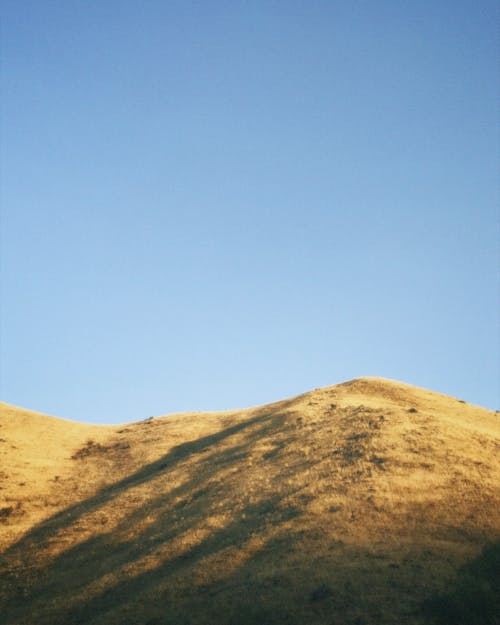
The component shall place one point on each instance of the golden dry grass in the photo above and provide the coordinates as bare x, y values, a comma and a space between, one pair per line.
352, 504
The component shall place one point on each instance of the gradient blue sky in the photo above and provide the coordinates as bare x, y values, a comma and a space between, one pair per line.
209, 205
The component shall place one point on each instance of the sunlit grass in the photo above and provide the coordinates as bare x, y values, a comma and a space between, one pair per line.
353, 504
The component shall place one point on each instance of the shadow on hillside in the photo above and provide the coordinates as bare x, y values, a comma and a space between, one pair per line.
195, 551
174, 457
55, 590
474, 596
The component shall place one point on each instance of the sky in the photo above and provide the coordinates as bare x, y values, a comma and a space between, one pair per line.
209, 205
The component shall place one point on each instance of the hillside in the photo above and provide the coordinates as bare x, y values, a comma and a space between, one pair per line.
369, 502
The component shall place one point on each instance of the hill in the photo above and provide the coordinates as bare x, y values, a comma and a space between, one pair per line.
369, 502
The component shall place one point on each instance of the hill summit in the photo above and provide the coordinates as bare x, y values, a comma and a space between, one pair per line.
369, 502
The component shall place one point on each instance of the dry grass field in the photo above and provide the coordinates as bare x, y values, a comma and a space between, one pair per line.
367, 503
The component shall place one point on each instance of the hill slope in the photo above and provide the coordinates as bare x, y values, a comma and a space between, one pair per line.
358, 503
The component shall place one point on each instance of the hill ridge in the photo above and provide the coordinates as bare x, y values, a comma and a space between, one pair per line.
368, 382
353, 503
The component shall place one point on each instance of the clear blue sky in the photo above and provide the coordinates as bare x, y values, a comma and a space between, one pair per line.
210, 205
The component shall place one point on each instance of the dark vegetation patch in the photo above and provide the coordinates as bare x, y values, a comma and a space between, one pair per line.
321, 593
7, 513
91, 448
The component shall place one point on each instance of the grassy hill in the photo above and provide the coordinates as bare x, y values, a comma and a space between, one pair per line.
370, 502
